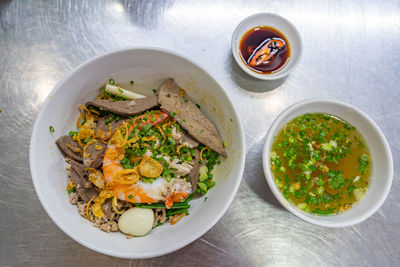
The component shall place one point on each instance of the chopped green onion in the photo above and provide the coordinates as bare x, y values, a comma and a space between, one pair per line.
146, 127
202, 186
72, 133
51, 128
111, 81
71, 190
203, 177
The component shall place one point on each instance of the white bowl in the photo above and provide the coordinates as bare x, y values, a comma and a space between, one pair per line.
381, 158
284, 26
148, 67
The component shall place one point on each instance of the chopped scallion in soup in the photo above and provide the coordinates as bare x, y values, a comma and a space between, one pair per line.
321, 163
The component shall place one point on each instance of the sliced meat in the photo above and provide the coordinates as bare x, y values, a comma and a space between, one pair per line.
65, 143
101, 125
108, 210
80, 170
93, 157
189, 116
127, 107
183, 138
188, 141
194, 173
180, 169
83, 187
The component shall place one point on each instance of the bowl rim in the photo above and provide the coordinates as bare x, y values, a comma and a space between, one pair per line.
278, 74
177, 245
315, 219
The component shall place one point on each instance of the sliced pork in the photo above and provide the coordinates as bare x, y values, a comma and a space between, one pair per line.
189, 116
69, 147
127, 107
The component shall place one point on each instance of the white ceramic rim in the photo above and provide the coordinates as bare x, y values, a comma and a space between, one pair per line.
314, 218
151, 254
276, 75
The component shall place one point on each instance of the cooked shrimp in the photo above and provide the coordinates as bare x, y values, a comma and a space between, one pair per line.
160, 189
115, 151
129, 187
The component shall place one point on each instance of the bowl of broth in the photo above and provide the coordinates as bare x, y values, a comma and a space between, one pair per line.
327, 162
266, 46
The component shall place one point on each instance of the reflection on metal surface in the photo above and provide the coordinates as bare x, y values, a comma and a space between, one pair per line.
117, 8
350, 54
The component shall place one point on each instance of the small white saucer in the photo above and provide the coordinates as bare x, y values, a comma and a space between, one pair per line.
281, 24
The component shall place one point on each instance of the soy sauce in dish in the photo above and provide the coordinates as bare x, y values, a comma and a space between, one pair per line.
264, 49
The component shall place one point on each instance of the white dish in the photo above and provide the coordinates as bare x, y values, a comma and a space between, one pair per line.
275, 21
148, 67
381, 158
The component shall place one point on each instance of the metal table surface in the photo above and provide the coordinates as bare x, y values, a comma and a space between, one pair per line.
351, 53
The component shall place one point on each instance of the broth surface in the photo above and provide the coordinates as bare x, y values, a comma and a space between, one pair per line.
321, 163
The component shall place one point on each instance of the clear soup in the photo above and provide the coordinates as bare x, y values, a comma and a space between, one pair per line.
321, 164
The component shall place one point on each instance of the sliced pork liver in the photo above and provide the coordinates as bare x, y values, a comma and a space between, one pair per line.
183, 138
83, 187
93, 157
101, 124
189, 116
188, 141
63, 143
195, 172
127, 107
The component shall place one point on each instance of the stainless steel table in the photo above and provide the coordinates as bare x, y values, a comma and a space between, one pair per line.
352, 53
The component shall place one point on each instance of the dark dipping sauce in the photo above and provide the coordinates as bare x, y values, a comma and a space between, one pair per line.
264, 49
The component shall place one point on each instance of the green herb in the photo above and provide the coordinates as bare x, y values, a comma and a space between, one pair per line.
154, 91
115, 97
173, 114
305, 160
363, 161
130, 196
71, 190
178, 211
148, 180
132, 82
201, 131
223, 143
126, 163
51, 128
72, 133
146, 127
86, 140
198, 106
184, 99
111, 81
